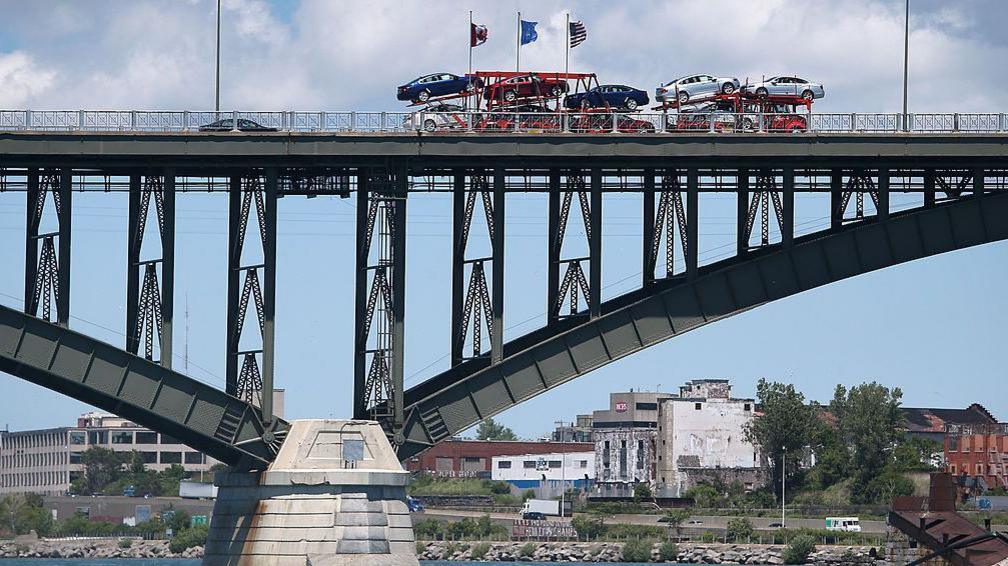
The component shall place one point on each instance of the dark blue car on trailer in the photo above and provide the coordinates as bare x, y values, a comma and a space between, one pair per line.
613, 96
424, 88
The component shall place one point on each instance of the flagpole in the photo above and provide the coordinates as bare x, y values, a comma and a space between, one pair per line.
567, 47
518, 46
470, 41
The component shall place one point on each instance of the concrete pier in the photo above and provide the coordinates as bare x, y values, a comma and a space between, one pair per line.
335, 495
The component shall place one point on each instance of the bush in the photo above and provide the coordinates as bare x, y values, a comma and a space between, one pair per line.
428, 529
637, 550
479, 550
527, 550
421, 547
188, 538
668, 551
739, 529
451, 549
588, 527
125, 542
624, 531
799, 550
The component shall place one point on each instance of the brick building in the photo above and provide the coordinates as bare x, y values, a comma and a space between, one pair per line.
979, 452
470, 458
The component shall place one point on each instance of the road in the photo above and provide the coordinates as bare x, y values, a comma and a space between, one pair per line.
716, 522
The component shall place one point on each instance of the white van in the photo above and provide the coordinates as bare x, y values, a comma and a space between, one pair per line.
849, 524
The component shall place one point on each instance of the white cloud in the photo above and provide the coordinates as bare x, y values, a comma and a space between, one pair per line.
22, 79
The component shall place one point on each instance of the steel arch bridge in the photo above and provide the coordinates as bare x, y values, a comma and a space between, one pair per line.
958, 182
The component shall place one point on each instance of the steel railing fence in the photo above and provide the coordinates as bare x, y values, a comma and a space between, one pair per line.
143, 121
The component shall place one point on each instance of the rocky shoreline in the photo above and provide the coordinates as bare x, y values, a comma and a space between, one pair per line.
695, 553
94, 548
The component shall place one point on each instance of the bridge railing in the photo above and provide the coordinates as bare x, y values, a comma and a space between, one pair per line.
143, 121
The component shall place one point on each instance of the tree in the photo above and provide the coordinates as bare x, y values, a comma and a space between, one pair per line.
916, 454
870, 424
490, 430
674, 518
102, 466
641, 491
739, 529
588, 527
784, 432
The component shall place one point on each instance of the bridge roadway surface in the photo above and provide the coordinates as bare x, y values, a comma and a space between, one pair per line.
218, 151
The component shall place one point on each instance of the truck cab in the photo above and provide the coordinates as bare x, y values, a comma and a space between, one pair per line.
848, 524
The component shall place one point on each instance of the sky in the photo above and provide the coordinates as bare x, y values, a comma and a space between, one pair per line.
932, 327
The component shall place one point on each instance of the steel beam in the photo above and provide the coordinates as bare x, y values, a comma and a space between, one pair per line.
595, 245
553, 248
398, 301
648, 228
497, 244
133, 244
168, 268
31, 242
742, 213
269, 219
787, 207
929, 187
883, 194
360, 393
457, 268
692, 219
64, 214
233, 262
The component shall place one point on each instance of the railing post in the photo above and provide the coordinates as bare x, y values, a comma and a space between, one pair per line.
234, 120
615, 123
759, 121
28, 121
710, 123
853, 122
1001, 122
80, 119
955, 122
353, 121
469, 121
384, 121
321, 121
133, 126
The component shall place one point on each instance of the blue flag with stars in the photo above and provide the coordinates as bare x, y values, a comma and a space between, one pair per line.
528, 32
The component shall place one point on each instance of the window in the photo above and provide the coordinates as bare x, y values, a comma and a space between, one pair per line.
554, 464
640, 454
696, 406
583, 463
503, 464
149, 457
646, 406
77, 437
146, 438
98, 437
165, 439
605, 455
171, 457
623, 459
194, 458
471, 459
75, 457
122, 438
953, 444
747, 407
529, 464
952, 469
979, 469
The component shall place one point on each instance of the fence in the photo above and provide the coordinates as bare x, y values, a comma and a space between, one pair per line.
142, 121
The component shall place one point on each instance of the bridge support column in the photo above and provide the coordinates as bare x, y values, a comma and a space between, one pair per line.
334, 496
742, 213
648, 229
692, 221
883, 194
787, 208
47, 271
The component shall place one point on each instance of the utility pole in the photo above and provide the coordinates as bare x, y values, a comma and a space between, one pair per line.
782, 454
906, 63
217, 90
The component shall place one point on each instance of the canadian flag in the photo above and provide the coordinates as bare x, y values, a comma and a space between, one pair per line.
477, 35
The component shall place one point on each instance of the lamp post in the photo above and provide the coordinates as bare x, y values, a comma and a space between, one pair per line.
217, 90
782, 454
906, 63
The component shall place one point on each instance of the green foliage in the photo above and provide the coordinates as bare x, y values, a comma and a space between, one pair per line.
102, 466
668, 551
479, 550
490, 430
527, 550
624, 531
705, 495
451, 548
428, 529
869, 423
529, 494
125, 542
421, 547
79, 525
799, 549
425, 484
739, 529
913, 454
785, 431
674, 518
22, 513
467, 528
641, 491
588, 527
637, 550
885, 486
188, 538
178, 520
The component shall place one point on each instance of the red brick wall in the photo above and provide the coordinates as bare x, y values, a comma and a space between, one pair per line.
457, 450
984, 455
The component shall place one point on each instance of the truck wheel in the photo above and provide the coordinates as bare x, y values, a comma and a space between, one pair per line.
807, 94
762, 92
555, 90
630, 104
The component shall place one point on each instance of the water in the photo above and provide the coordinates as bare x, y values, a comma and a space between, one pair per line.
179, 562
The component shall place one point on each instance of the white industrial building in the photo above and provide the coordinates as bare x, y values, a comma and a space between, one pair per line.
701, 439
546, 473
625, 436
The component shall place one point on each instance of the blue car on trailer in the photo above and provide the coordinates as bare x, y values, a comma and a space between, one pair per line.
426, 87
612, 96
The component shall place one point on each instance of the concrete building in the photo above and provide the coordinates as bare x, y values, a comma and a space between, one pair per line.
978, 452
931, 423
456, 458
548, 474
47, 461
578, 431
700, 439
624, 436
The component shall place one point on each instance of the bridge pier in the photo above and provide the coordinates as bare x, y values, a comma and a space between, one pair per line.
335, 495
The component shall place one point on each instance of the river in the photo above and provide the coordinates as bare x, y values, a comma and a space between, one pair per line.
177, 562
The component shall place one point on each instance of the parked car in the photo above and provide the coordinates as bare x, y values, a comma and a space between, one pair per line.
424, 88
437, 117
695, 88
612, 96
227, 125
525, 86
533, 516
530, 117
775, 526
598, 122
788, 86
414, 505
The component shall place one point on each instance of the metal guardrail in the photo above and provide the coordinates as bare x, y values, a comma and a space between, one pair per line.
143, 121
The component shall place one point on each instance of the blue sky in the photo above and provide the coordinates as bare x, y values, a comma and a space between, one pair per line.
931, 327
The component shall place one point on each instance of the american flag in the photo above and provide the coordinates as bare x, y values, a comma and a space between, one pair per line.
578, 33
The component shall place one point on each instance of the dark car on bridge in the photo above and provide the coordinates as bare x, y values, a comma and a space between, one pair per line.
424, 88
227, 125
607, 96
